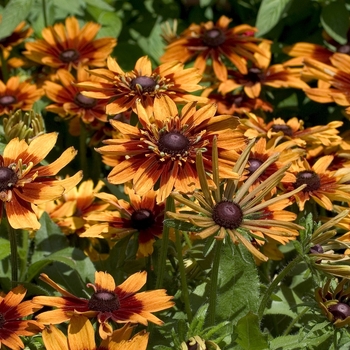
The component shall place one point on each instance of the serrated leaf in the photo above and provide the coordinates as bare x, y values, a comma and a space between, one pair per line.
238, 284
15, 12
249, 334
269, 14
335, 20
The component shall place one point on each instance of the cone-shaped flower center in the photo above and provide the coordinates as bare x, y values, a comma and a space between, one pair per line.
316, 249
7, 100
192, 346
173, 143
286, 129
7, 178
147, 83
2, 320
340, 311
104, 301
69, 55
344, 49
214, 37
310, 179
254, 165
227, 214
254, 75
142, 219
84, 101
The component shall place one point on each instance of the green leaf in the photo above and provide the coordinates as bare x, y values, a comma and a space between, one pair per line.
269, 14
249, 334
335, 20
111, 24
181, 225
15, 12
100, 4
238, 284
4, 248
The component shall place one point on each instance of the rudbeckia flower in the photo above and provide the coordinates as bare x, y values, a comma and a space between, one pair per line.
67, 45
24, 183
231, 209
71, 104
162, 150
81, 335
140, 215
216, 42
12, 312
121, 304
18, 95
122, 89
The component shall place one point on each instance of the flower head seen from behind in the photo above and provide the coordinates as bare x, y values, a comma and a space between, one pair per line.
24, 183
122, 89
15, 94
162, 151
67, 45
120, 304
235, 211
216, 42
81, 335
12, 312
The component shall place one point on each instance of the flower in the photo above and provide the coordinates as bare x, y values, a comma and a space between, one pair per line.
216, 42
163, 150
24, 183
262, 74
17, 95
12, 326
123, 89
120, 304
231, 209
322, 185
70, 102
81, 336
67, 46
138, 215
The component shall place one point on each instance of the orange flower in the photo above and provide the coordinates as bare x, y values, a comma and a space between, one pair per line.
81, 336
120, 304
17, 95
67, 46
123, 89
24, 183
216, 42
139, 215
12, 310
164, 149
262, 74
70, 102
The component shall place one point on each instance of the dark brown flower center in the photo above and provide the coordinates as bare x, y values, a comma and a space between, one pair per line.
142, 219
310, 179
173, 143
254, 165
213, 37
344, 49
7, 178
147, 84
69, 55
104, 301
7, 100
227, 214
2, 320
339, 311
254, 75
192, 345
286, 129
84, 101
316, 249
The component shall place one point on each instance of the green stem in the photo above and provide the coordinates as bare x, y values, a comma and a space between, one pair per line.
214, 283
275, 282
82, 150
4, 70
184, 287
169, 206
96, 169
44, 13
14, 254
291, 325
